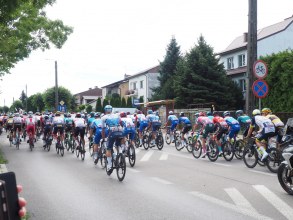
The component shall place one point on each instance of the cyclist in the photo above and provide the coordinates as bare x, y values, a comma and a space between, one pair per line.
9, 125
279, 125
143, 123
210, 115
155, 123
128, 129
186, 126
112, 121
220, 128
233, 124
47, 124
96, 128
68, 124
79, 125
17, 123
266, 130
89, 121
244, 121
207, 127
58, 124
1, 122
31, 125
173, 121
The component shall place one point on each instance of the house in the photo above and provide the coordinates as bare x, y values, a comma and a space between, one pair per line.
135, 86
88, 96
272, 39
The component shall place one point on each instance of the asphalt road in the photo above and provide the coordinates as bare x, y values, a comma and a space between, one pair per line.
163, 184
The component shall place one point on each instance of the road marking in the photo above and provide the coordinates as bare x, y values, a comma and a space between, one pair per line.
147, 156
221, 164
275, 201
239, 199
161, 180
260, 172
164, 156
137, 151
133, 170
230, 206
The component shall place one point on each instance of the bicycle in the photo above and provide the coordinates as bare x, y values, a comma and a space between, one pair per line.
102, 154
38, 133
80, 149
118, 162
17, 139
68, 141
159, 140
187, 141
24, 134
91, 148
59, 144
48, 141
31, 140
10, 136
130, 152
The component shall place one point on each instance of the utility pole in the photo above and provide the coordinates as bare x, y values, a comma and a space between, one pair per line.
251, 54
56, 86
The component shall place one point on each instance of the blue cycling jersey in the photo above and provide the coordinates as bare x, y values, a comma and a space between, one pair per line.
184, 120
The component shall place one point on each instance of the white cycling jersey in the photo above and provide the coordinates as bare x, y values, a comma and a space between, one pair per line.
79, 122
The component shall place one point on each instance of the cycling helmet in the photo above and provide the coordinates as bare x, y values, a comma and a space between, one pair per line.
57, 113
226, 113
181, 114
150, 112
209, 114
37, 113
122, 114
171, 112
78, 115
239, 112
266, 110
139, 112
128, 113
201, 114
16, 115
21, 115
196, 114
24, 113
69, 115
98, 114
256, 112
215, 113
92, 114
46, 117
11, 116
30, 112
108, 108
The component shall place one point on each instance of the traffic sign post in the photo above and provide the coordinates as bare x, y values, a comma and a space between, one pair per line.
260, 69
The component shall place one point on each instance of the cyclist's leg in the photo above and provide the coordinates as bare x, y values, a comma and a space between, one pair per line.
110, 144
82, 133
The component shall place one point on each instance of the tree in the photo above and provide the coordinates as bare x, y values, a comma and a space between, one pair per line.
23, 97
201, 79
24, 27
99, 107
141, 99
280, 82
81, 107
167, 72
16, 105
5, 109
129, 102
1, 109
123, 102
63, 94
88, 108
105, 102
38, 102
30, 104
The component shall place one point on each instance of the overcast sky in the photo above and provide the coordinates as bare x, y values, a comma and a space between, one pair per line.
115, 37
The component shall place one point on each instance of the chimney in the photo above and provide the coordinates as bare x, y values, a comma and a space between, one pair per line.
245, 37
90, 88
96, 87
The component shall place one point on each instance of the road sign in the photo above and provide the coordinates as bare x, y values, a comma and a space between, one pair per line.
260, 69
62, 102
62, 108
260, 88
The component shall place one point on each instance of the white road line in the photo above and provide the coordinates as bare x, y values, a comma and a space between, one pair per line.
230, 206
161, 180
164, 156
239, 199
137, 151
133, 170
260, 172
147, 156
275, 201
221, 164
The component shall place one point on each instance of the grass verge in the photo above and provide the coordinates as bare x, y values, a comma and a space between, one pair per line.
2, 158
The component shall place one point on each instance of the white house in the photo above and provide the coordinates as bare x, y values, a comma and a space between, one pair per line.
272, 39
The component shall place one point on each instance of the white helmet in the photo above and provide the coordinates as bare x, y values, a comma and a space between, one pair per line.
256, 112
171, 113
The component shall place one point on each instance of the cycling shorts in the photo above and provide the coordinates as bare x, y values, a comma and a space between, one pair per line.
263, 137
156, 126
131, 133
61, 130
209, 128
79, 131
234, 129
30, 129
114, 136
186, 128
143, 125
17, 126
98, 136
174, 125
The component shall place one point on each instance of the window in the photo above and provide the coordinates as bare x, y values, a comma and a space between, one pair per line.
134, 85
230, 63
242, 84
241, 60
141, 84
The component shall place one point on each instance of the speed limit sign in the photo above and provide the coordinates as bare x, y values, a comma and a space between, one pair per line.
260, 69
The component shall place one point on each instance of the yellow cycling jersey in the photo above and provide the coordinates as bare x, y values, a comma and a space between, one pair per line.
10, 121
276, 120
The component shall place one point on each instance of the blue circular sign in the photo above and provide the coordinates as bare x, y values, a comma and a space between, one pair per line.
260, 88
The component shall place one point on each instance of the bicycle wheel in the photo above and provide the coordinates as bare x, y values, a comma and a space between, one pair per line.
197, 149
136, 140
274, 160
103, 157
212, 151
145, 142
160, 141
91, 148
131, 155
61, 149
77, 151
120, 165
66, 145
17, 141
228, 153
73, 146
48, 145
250, 156
189, 144
82, 153
239, 148
178, 144
168, 138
